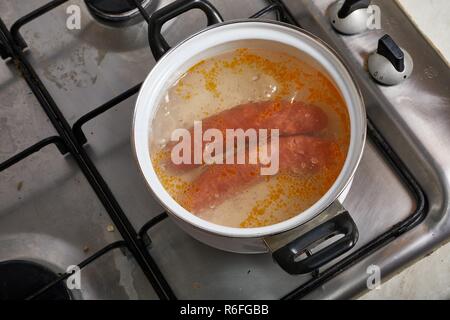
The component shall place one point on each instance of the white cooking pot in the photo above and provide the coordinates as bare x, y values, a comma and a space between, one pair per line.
287, 240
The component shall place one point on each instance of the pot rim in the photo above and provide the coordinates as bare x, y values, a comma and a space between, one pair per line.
339, 73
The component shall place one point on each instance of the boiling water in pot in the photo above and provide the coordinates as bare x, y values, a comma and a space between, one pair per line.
247, 88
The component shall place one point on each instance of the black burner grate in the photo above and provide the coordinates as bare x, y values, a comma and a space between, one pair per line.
71, 140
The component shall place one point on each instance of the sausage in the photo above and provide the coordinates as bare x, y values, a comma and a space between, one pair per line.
298, 155
291, 118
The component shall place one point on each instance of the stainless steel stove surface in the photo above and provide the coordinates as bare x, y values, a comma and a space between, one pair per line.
53, 211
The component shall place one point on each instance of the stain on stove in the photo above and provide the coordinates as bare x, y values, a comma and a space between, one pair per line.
101, 54
126, 278
115, 40
7, 145
430, 72
78, 75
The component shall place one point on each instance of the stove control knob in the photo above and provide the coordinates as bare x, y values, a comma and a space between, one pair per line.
390, 64
349, 16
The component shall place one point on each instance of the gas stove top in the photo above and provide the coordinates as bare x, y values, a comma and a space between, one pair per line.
71, 194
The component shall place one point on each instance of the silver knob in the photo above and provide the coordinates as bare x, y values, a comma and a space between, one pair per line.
390, 64
349, 16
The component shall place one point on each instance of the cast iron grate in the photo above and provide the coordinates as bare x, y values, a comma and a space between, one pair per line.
71, 140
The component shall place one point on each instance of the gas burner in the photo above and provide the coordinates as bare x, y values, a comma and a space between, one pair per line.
19, 279
116, 13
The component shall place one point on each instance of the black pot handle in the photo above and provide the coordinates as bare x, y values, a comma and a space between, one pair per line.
342, 223
157, 42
